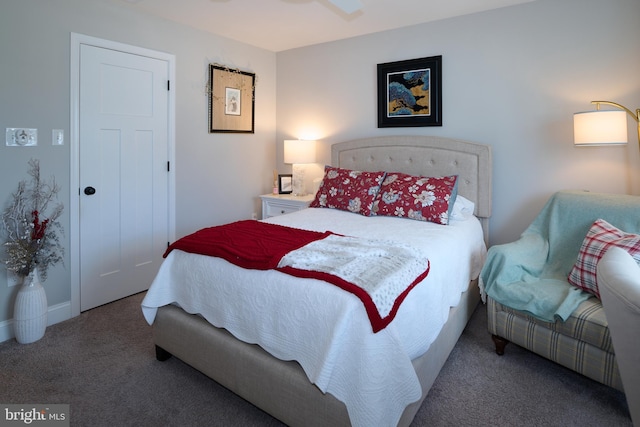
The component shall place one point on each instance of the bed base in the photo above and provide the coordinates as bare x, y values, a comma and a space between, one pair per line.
281, 388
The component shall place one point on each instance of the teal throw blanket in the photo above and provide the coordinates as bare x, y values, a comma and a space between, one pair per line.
530, 274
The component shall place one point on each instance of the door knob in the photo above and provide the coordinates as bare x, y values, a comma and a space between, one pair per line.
89, 191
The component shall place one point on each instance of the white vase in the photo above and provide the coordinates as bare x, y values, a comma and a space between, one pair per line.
30, 310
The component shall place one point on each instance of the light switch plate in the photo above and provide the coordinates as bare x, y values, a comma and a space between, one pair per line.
21, 137
57, 137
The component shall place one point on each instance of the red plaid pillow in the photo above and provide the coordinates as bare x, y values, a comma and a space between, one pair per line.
601, 236
348, 190
416, 197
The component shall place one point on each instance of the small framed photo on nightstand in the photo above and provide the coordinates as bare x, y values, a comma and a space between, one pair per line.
285, 184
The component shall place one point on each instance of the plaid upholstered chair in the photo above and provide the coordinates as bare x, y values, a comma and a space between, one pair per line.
541, 290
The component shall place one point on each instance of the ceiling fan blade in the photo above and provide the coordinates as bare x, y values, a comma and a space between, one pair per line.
347, 6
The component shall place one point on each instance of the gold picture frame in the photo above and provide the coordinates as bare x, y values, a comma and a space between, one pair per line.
231, 100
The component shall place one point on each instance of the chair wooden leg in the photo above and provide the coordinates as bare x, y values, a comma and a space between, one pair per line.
500, 343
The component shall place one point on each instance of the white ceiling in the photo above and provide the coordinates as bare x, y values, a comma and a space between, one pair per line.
278, 25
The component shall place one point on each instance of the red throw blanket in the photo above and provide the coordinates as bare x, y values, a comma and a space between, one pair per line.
260, 246
248, 244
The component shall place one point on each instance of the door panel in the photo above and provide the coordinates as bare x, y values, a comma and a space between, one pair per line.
123, 156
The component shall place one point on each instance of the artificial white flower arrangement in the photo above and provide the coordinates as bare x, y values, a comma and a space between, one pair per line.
32, 227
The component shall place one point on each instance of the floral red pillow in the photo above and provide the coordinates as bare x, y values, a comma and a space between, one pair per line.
417, 197
601, 236
348, 190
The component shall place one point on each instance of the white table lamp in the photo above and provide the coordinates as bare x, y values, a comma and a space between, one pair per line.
299, 152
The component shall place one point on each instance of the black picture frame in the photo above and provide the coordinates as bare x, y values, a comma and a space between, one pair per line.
231, 100
410, 93
285, 184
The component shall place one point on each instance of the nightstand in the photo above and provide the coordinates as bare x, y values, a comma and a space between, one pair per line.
280, 204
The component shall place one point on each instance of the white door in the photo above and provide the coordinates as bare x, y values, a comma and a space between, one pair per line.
123, 176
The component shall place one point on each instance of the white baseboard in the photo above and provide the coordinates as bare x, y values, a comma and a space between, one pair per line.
55, 314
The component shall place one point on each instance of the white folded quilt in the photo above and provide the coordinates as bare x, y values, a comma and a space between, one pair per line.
383, 271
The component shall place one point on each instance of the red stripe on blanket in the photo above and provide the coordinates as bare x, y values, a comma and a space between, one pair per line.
377, 322
260, 246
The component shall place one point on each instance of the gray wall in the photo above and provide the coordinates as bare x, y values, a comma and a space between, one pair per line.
512, 78
218, 176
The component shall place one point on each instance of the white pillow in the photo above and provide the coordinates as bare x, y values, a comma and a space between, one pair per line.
462, 208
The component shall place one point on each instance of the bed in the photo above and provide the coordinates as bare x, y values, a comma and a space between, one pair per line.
287, 385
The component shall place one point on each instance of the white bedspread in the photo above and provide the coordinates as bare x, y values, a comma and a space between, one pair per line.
323, 327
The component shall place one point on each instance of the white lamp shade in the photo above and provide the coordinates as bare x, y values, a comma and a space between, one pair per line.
299, 151
600, 128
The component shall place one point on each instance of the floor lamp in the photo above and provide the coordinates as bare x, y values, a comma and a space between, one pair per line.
603, 127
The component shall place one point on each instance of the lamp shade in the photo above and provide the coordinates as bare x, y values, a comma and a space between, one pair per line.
600, 128
299, 151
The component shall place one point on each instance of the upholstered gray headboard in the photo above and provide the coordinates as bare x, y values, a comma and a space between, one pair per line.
425, 156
